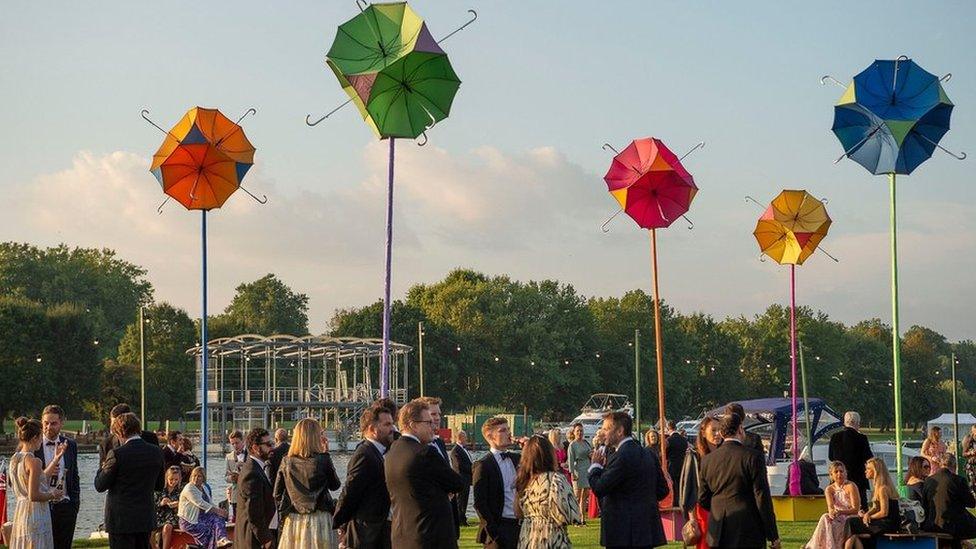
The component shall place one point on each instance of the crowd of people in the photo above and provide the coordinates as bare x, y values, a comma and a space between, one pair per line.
405, 489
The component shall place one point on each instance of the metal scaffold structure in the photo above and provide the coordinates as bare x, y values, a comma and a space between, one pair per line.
259, 381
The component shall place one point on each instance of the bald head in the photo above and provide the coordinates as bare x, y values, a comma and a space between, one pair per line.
281, 435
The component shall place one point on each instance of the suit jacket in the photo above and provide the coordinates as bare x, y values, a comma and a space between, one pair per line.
854, 450
419, 482
446, 456
364, 503
110, 443
130, 474
629, 487
255, 507
489, 494
676, 449
946, 496
172, 457
277, 454
733, 486
461, 463
72, 483
754, 442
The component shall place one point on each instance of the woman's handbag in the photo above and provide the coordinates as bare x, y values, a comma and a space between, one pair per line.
691, 534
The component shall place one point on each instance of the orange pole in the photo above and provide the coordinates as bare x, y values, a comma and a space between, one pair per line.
660, 353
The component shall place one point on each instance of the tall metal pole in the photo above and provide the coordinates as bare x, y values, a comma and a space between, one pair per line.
420, 340
794, 477
142, 366
203, 350
955, 414
637, 378
660, 355
806, 403
385, 363
895, 342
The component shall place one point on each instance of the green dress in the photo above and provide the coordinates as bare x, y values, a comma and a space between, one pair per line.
579, 463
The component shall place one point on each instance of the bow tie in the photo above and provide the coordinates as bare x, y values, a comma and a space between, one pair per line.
505, 455
50, 443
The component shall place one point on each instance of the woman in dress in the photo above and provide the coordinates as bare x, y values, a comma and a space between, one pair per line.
843, 502
29, 482
199, 517
579, 464
969, 454
544, 499
933, 448
167, 504
556, 439
918, 470
883, 515
302, 489
708, 439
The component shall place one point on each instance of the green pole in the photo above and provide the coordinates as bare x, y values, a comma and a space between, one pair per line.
955, 415
895, 343
806, 403
420, 341
637, 379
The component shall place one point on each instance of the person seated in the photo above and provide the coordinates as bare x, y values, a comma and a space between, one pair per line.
918, 470
199, 517
947, 497
167, 501
882, 517
843, 501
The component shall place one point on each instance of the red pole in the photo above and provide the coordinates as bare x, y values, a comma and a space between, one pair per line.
660, 354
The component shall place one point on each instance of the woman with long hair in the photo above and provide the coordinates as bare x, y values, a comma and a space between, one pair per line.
918, 470
882, 516
843, 501
933, 448
167, 504
579, 463
30, 484
555, 438
199, 517
708, 439
302, 490
544, 499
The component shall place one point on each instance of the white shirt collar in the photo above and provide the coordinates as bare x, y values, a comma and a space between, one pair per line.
623, 440
55, 440
133, 437
379, 446
257, 459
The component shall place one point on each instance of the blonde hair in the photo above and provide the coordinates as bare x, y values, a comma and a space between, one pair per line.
836, 465
882, 479
306, 438
651, 434
555, 437
196, 473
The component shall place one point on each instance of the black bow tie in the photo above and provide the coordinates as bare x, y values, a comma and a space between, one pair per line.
50, 444
505, 455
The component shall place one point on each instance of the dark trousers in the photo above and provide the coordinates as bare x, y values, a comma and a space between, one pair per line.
507, 536
368, 535
462, 504
63, 519
129, 541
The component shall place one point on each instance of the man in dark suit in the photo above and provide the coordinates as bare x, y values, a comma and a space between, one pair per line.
946, 496
733, 487
363, 510
131, 473
751, 440
493, 479
278, 453
677, 447
111, 441
255, 500
434, 404
420, 482
461, 463
851, 447
64, 513
172, 456
629, 483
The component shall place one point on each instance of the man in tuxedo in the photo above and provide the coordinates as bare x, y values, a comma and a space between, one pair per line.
677, 447
946, 496
131, 473
111, 441
64, 513
629, 484
434, 404
419, 482
461, 463
171, 452
851, 447
363, 510
394, 413
751, 440
733, 487
278, 452
233, 462
255, 502
493, 479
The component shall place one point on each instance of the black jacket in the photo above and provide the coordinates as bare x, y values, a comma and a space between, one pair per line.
853, 449
302, 485
809, 481
489, 494
946, 496
365, 502
419, 482
110, 443
131, 474
630, 487
676, 449
278, 453
733, 487
754, 442
461, 463
255, 507
72, 483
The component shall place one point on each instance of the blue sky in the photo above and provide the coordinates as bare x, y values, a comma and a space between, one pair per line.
511, 182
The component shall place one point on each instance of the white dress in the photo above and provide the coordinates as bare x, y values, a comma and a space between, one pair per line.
32, 519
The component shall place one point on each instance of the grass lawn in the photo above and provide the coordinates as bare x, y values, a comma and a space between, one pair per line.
793, 535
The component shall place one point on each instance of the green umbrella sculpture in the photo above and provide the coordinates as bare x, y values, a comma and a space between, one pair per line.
402, 82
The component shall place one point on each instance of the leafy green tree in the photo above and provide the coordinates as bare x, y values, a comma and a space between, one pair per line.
22, 332
266, 306
71, 358
119, 383
170, 372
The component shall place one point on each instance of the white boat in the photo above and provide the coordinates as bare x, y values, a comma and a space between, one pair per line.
591, 414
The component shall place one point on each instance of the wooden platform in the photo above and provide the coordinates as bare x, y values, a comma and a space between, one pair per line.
799, 508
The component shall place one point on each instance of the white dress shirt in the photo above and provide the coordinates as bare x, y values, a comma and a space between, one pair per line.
508, 481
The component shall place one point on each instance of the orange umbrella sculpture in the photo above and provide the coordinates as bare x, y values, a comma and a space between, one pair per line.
200, 164
654, 189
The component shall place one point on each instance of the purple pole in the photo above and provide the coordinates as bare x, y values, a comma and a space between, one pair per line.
385, 364
795, 466
204, 416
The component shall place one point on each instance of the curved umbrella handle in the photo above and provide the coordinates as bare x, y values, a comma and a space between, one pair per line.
459, 29
328, 114
960, 156
145, 116
691, 224
604, 227
945, 78
754, 201
362, 5
262, 200
159, 210
608, 146
826, 77
700, 145
762, 258
252, 110
433, 122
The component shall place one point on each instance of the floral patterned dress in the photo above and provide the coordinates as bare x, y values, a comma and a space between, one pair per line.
547, 506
